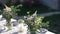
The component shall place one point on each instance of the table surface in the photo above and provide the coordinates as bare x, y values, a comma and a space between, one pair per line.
15, 29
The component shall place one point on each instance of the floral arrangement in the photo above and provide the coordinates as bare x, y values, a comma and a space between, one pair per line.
8, 13
35, 22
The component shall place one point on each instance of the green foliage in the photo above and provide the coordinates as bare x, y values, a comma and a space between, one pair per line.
35, 22
16, 9
11, 14
45, 24
7, 16
0, 12
8, 13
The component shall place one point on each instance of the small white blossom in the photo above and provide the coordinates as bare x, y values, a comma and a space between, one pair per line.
7, 9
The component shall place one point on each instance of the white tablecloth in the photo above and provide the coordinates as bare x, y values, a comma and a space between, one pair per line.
15, 29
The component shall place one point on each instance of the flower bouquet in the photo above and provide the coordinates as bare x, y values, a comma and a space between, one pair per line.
34, 22
8, 14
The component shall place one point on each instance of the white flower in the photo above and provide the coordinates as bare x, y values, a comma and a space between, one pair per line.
7, 9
